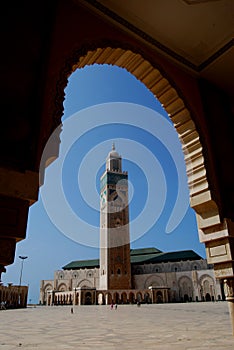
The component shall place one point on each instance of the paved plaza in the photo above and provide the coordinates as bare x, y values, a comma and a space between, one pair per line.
188, 326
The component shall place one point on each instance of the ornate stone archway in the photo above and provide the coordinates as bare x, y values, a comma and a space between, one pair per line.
154, 281
214, 230
65, 39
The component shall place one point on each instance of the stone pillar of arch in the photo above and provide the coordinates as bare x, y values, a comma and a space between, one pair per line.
18, 190
229, 293
218, 237
74, 297
49, 298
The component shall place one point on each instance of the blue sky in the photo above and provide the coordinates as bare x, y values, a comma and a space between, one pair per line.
105, 104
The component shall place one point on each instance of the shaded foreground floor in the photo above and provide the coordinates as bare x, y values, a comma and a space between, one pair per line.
188, 326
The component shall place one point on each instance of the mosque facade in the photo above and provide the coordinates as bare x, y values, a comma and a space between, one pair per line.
124, 275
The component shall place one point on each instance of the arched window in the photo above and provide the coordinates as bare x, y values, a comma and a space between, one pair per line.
75, 275
61, 275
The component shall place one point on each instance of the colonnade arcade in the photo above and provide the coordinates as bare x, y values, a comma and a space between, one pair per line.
91, 296
13, 296
155, 295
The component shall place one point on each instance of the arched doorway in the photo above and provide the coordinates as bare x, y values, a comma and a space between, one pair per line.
207, 287
185, 288
131, 298
116, 298
124, 298
159, 297
147, 299
88, 298
139, 297
164, 91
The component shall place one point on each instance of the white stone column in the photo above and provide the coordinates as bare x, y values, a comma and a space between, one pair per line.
217, 234
229, 293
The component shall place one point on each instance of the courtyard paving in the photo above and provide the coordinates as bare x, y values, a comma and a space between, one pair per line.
190, 326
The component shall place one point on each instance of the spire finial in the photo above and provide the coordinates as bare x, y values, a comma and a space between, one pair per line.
113, 146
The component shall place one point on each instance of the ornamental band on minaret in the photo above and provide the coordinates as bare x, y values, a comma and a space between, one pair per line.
115, 266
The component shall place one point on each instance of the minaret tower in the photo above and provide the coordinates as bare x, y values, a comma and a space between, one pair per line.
115, 266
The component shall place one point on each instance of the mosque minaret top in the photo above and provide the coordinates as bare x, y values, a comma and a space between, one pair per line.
114, 160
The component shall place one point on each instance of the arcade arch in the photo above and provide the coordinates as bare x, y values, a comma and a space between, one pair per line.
85, 283
211, 227
168, 96
213, 230
185, 288
154, 281
207, 287
62, 287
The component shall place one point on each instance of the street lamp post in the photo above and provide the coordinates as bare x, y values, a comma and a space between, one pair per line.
22, 264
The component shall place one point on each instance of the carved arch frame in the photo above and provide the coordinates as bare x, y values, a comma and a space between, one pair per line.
214, 231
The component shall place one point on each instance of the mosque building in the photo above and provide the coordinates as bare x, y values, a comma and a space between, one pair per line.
124, 275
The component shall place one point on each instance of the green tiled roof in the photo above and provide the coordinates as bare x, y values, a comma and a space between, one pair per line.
82, 264
165, 257
138, 257
144, 251
177, 256
142, 259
